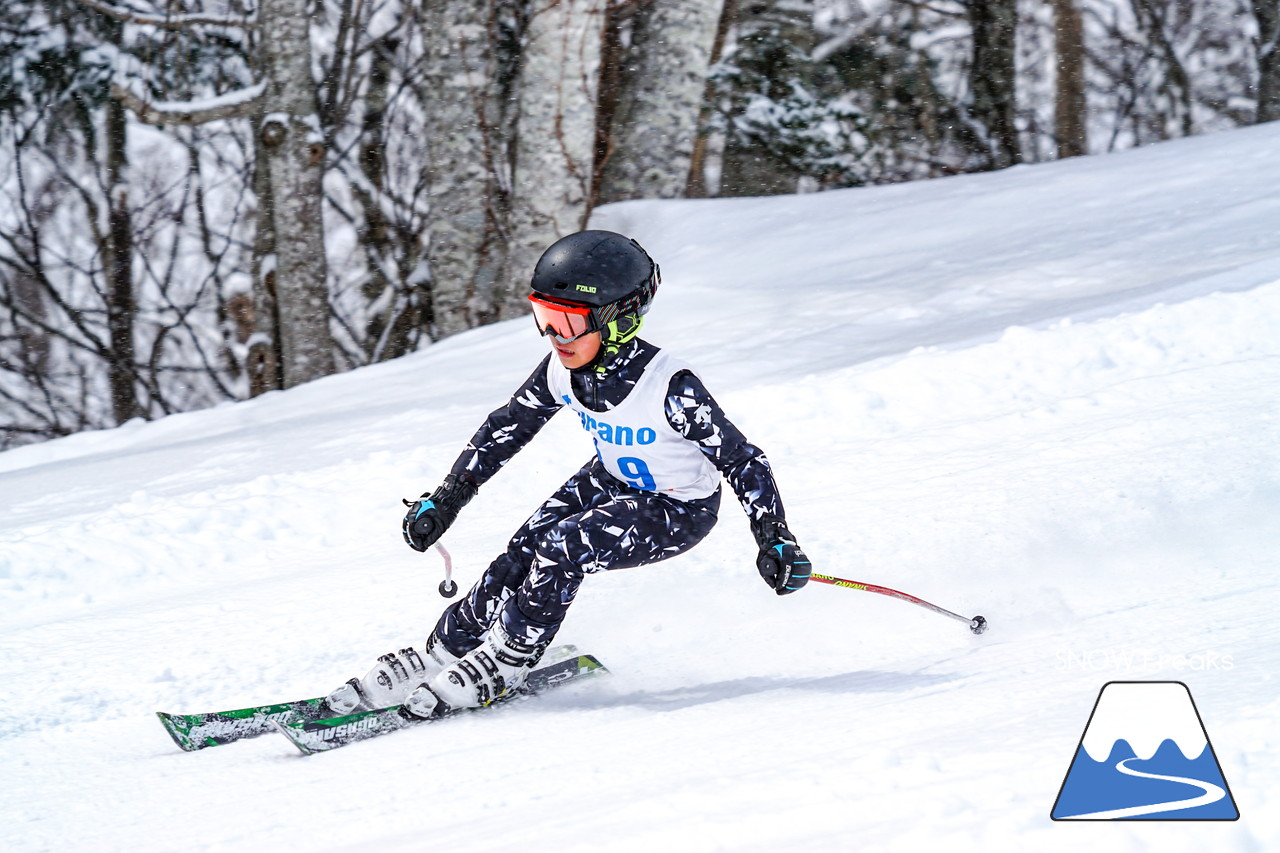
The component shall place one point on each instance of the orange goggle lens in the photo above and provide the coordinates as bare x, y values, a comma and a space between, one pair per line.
566, 322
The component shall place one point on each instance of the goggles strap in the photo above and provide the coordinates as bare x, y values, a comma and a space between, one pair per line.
618, 333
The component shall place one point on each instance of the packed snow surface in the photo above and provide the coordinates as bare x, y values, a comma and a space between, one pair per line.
1046, 395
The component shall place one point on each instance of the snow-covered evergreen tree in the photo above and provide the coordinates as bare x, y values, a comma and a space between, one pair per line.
993, 79
779, 126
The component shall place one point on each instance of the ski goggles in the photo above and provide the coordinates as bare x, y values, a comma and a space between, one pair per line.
564, 321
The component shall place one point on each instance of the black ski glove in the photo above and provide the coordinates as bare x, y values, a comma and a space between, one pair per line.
781, 562
430, 515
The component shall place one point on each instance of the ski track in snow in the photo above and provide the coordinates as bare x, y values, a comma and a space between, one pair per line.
1046, 395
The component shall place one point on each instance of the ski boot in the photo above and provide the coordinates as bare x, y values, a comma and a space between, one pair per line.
392, 680
496, 668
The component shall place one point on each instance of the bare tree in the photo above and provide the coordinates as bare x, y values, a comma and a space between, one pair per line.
94, 320
1268, 14
118, 257
1070, 108
291, 342
466, 89
290, 133
697, 186
655, 121
388, 329
260, 313
555, 136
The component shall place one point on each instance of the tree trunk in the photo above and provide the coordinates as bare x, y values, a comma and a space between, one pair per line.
1268, 15
656, 119
555, 136
1070, 107
993, 77
290, 132
30, 307
467, 149
396, 250
375, 235
264, 358
618, 21
776, 32
697, 186
121, 307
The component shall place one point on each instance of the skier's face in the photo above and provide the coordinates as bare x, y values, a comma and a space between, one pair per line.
576, 353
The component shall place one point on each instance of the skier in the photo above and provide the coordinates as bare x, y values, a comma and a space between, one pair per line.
651, 491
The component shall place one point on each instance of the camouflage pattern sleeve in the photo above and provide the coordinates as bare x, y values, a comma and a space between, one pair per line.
694, 414
508, 428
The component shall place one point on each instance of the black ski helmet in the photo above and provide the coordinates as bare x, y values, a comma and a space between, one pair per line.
605, 271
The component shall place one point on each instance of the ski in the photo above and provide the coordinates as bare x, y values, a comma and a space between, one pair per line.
200, 731
312, 736
192, 732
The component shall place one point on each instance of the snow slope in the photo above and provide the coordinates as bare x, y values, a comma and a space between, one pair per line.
1047, 395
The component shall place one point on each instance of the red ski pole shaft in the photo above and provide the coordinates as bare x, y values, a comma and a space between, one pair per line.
977, 624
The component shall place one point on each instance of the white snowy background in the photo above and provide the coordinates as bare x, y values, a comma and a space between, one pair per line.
1047, 395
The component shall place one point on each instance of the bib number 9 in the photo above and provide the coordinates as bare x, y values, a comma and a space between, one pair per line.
637, 473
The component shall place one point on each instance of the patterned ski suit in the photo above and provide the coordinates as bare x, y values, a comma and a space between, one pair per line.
600, 519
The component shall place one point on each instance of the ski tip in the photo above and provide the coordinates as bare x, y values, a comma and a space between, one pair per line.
589, 665
173, 724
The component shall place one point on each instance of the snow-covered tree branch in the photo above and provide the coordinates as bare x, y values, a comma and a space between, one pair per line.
166, 22
241, 103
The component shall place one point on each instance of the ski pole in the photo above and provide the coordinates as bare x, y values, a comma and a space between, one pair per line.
447, 587
977, 624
